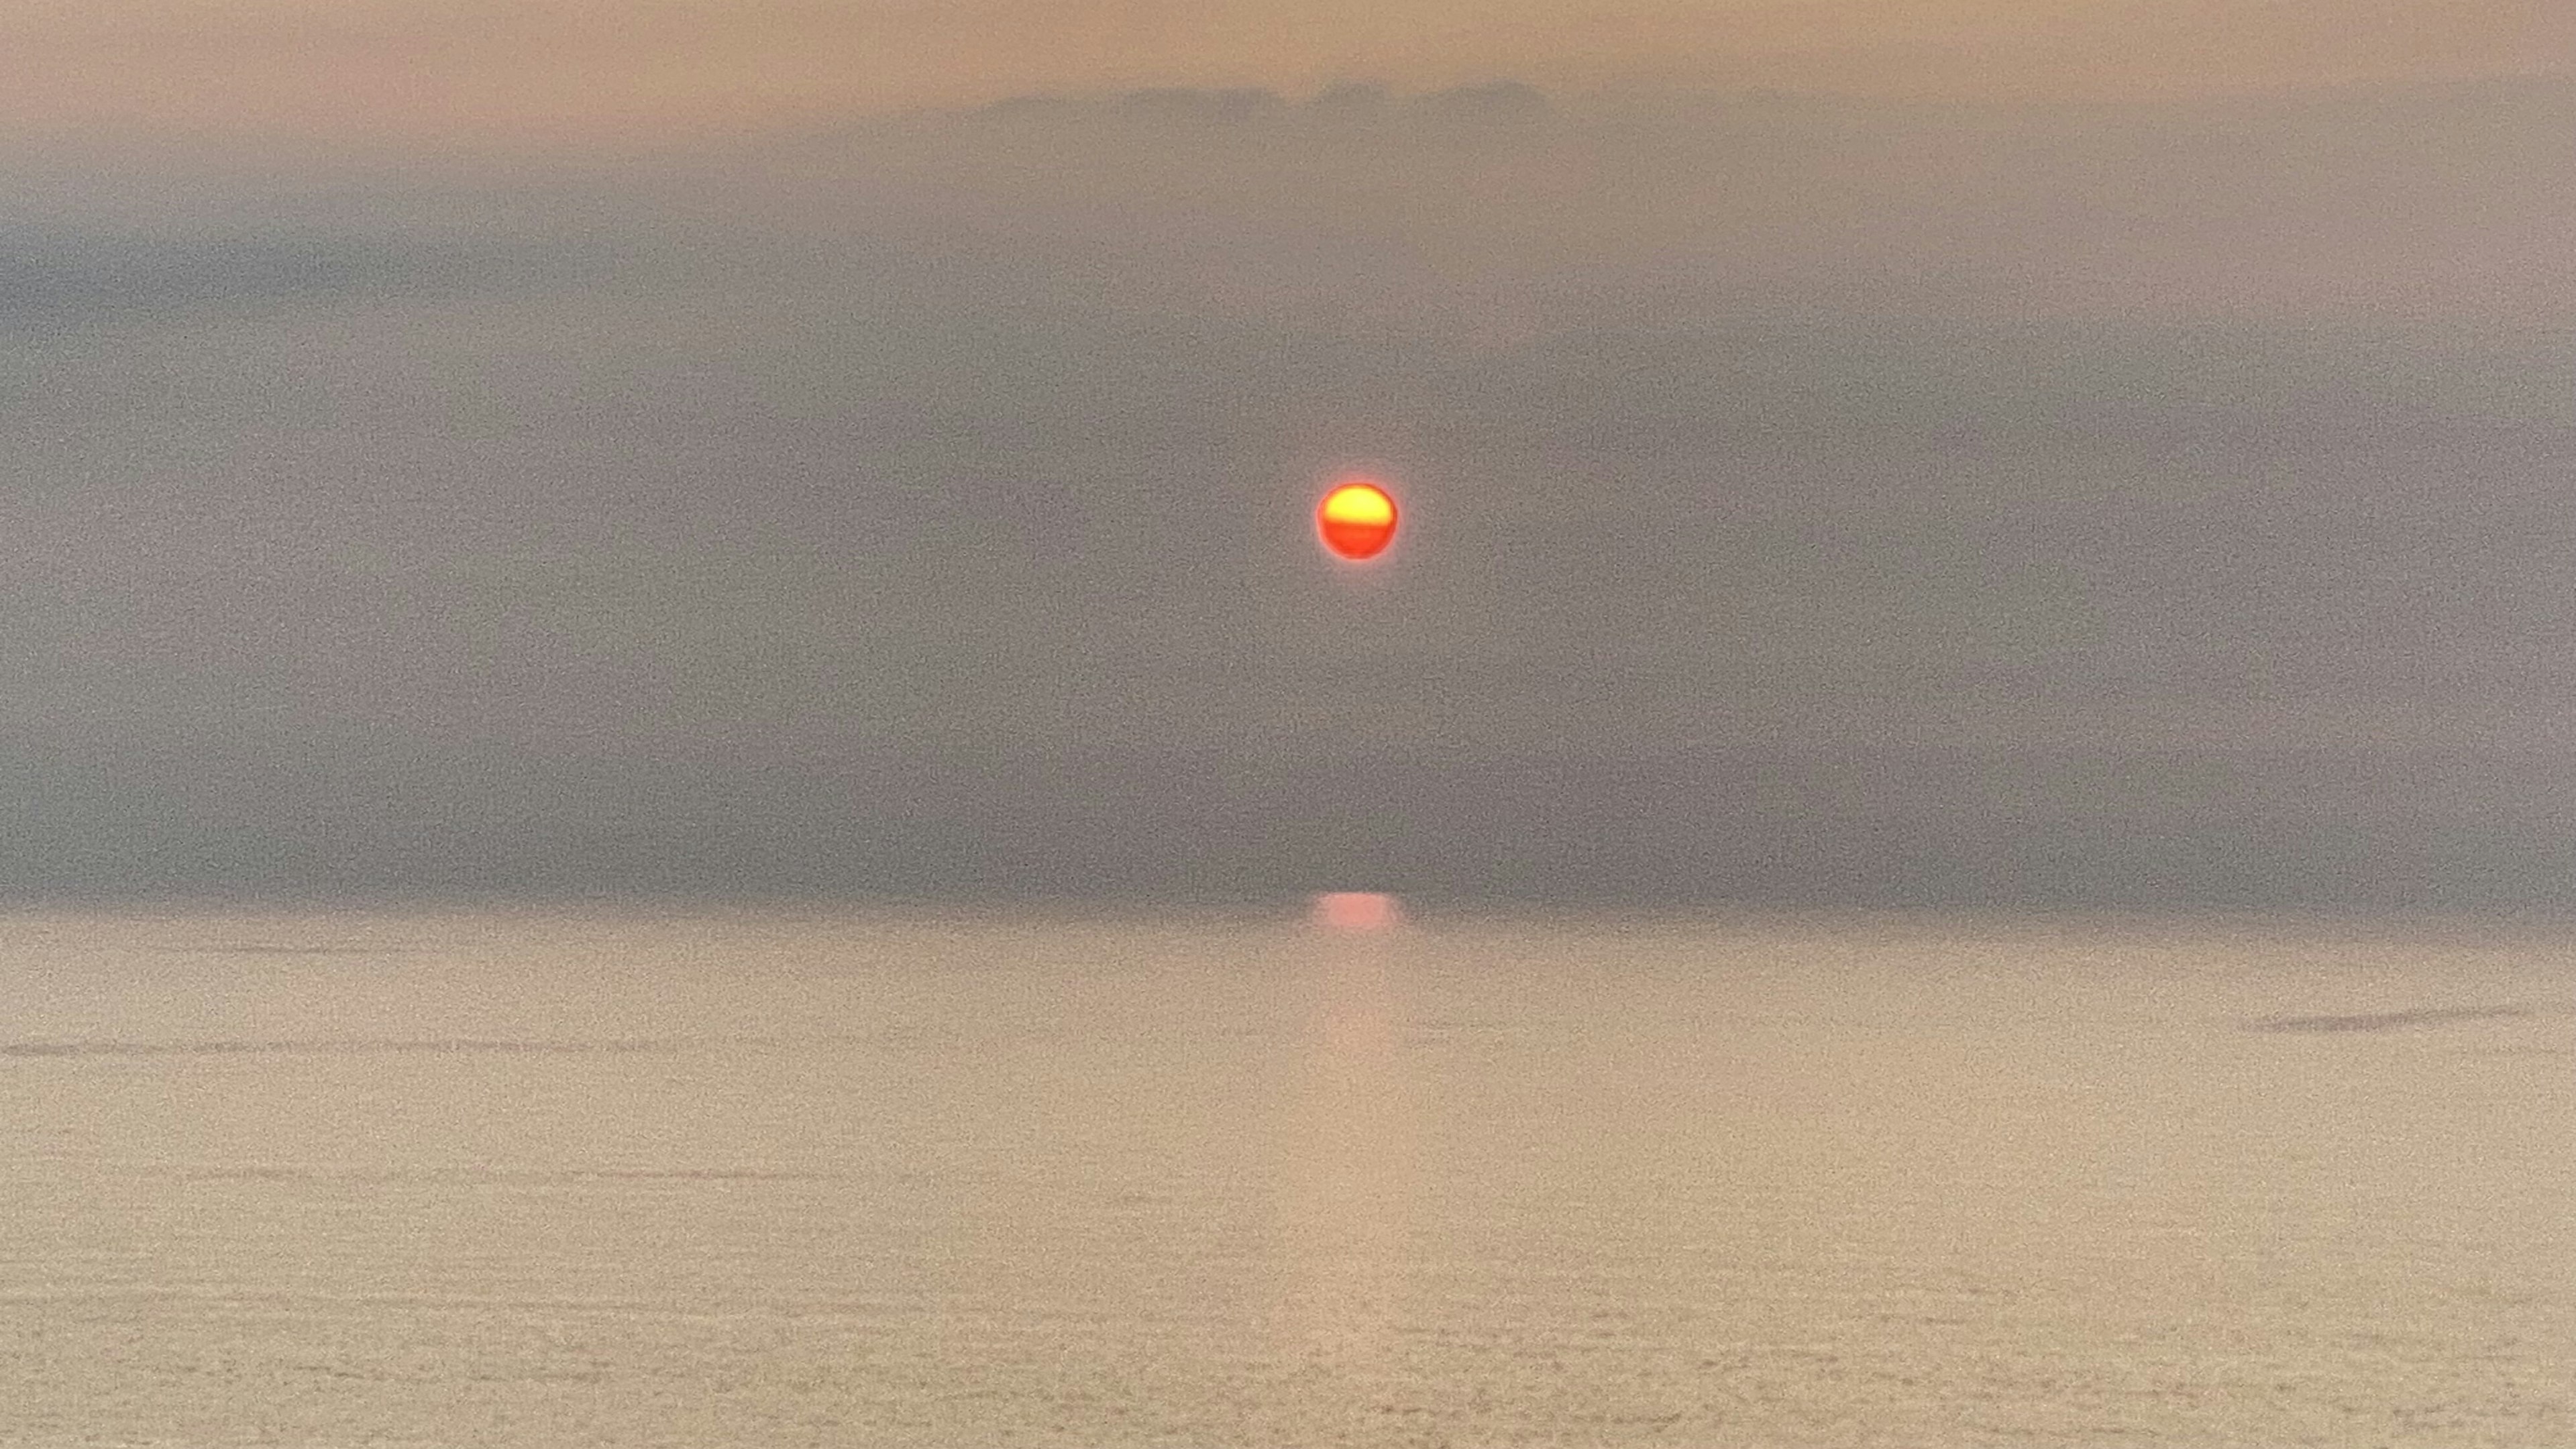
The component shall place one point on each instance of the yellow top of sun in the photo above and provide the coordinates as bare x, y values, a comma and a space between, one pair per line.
1364, 505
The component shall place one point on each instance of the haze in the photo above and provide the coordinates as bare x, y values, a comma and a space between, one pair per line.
1934, 454
504, 70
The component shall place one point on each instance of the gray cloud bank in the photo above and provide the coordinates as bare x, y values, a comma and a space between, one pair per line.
1809, 500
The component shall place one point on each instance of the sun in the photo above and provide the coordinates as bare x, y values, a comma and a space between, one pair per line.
1356, 520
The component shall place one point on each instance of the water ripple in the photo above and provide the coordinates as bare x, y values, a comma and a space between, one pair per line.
340, 1048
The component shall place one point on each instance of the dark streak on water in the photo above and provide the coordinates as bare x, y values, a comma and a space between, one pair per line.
2390, 1020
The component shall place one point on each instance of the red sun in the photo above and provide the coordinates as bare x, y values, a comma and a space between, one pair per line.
1356, 520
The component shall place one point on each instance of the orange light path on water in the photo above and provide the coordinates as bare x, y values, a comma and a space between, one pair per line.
1356, 520
1360, 911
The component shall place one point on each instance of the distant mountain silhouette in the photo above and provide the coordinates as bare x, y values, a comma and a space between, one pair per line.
1233, 106
1350, 98
1468, 108
1502, 102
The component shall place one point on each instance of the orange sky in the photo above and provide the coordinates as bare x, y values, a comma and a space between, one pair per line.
544, 70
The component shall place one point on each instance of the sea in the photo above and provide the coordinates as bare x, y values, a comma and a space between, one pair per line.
1278, 1177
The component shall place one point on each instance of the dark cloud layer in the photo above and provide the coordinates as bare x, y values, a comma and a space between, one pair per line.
1809, 500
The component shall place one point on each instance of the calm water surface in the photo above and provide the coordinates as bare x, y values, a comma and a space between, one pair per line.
771, 1180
